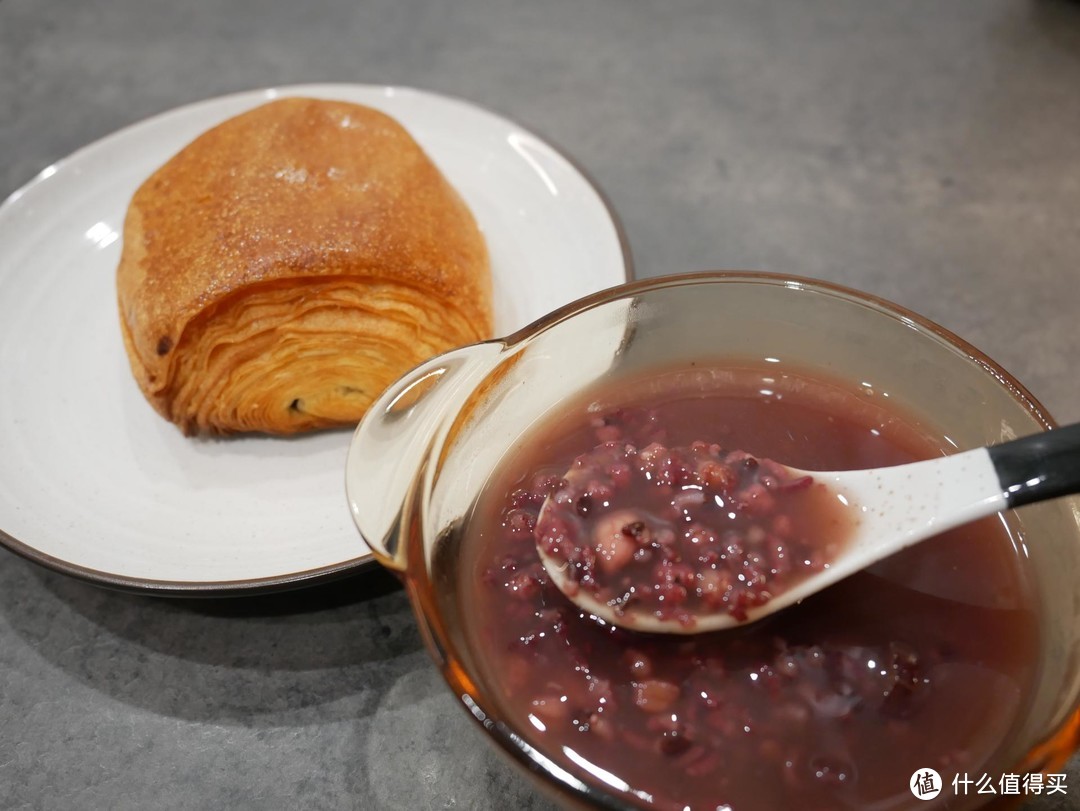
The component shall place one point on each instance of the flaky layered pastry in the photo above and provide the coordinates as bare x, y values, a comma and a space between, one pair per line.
286, 266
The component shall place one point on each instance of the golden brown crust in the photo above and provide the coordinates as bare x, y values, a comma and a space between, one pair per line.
289, 264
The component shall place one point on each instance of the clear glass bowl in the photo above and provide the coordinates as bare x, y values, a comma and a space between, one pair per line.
422, 455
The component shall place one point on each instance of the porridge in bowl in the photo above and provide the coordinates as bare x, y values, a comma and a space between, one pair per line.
926, 660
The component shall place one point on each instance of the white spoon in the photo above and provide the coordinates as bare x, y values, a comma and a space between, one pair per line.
892, 508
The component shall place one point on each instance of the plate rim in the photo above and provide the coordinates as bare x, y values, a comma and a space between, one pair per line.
319, 574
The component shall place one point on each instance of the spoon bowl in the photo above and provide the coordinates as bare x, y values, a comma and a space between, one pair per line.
888, 510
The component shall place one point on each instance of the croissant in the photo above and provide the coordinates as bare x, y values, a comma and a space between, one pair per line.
286, 266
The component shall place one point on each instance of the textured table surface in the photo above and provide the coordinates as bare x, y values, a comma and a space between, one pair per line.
923, 151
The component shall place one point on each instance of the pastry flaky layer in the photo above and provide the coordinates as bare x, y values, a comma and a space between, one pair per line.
288, 265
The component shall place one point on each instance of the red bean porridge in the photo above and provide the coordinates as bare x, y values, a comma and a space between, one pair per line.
923, 661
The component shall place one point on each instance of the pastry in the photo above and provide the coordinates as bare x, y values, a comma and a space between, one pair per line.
287, 265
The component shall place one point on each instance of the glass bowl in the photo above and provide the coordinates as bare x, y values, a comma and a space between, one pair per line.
422, 456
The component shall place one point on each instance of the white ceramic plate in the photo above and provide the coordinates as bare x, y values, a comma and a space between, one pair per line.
95, 484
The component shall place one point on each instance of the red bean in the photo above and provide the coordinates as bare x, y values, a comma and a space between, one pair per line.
640, 665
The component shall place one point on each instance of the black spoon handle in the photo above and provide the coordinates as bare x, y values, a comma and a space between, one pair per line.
1040, 466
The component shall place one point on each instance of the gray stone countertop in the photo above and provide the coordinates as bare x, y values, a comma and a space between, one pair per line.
923, 151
